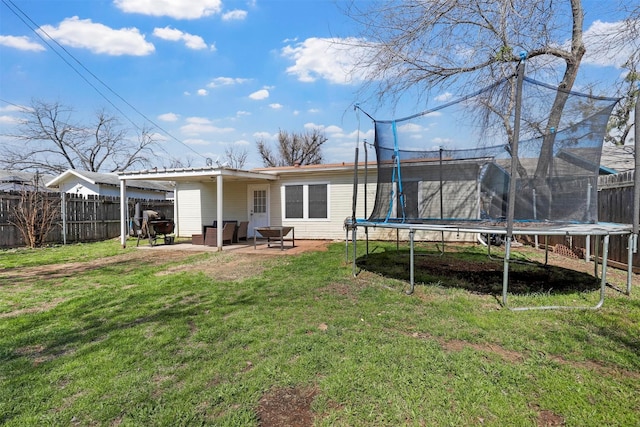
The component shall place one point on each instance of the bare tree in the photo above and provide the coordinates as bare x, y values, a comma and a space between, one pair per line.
235, 156
36, 214
621, 124
48, 139
293, 149
417, 46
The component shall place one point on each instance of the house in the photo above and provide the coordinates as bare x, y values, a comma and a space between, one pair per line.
314, 199
12, 180
85, 183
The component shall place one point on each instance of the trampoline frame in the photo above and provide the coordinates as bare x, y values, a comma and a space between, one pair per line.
599, 230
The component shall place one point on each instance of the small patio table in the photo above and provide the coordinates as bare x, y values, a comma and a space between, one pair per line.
274, 233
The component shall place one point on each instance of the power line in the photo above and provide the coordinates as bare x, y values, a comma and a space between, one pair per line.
33, 26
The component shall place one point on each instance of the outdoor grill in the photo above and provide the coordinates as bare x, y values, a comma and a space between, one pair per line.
154, 225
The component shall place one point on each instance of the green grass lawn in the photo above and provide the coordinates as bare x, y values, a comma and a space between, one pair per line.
120, 338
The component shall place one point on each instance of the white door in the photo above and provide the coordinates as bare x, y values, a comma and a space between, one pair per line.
258, 207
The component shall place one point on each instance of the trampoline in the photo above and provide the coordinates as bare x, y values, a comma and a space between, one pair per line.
539, 180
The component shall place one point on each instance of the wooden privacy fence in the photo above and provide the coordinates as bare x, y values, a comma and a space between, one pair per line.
615, 204
81, 219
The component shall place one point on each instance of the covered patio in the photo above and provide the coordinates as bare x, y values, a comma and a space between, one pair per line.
194, 178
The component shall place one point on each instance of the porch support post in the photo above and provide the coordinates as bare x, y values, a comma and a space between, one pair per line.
219, 210
123, 213
176, 218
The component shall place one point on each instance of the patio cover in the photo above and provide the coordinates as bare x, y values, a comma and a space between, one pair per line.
204, 174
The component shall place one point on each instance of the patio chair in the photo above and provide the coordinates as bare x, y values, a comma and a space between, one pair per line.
242, 230
211, 234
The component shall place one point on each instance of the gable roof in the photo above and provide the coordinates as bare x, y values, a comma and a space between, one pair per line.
110, 179
16, 180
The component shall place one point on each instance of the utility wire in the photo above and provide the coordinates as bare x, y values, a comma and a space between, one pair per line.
33, 26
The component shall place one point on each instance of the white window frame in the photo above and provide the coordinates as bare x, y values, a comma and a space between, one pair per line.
305, 201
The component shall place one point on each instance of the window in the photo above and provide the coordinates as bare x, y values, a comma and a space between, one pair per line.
308, 201
294, 202
260, 201
318, 201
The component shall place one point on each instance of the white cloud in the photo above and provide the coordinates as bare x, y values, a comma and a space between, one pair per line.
443, 97
313, 110
178, 9
275, 106
172, 34
411, 127
262, 135
610, 46
9, 120
198, 125
234, 15
169, 117
225, 81
196, 141
260, 94
242, 113
21, 43
98, 38
15, 108
203, 92
242, 142
333, 129
330, 59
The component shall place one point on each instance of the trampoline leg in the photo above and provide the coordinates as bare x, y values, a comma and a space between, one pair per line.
603, 280
353, 235
505, 271
546, 250
411, 262
631, 249
346, 245
596, 252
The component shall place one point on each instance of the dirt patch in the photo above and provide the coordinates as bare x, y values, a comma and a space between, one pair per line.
512, 356
37, 309
547, 418
459, 345
132, 260
287, 407
225, 267
477, 272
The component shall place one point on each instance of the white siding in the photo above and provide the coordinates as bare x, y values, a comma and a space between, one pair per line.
340, 201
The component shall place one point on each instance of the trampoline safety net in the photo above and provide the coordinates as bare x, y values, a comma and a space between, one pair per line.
557, 166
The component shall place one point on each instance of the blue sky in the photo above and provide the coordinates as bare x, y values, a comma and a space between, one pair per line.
212, 73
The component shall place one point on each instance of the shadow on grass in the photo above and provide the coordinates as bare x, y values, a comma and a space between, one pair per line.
476, 272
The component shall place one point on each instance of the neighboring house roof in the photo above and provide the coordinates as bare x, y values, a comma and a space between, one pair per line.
619, 158
11, 180
108, 179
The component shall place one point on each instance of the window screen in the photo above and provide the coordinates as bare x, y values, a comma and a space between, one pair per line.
318, 201
294, 202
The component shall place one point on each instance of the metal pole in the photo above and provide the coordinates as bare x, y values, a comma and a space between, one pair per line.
632, 243
535, 216
411, 262
513, 176
366, 195
636, 180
